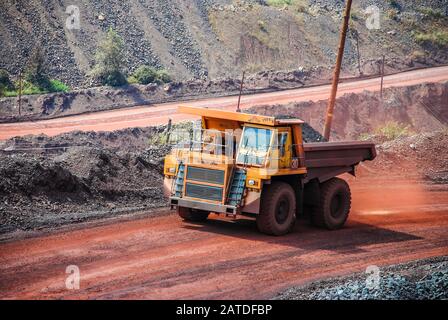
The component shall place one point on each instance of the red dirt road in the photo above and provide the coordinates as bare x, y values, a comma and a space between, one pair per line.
163, 257
160, 113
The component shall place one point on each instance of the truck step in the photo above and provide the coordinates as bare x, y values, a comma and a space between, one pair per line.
237, 187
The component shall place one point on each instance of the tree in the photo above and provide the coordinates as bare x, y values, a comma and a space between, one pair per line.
110, 65
36, 71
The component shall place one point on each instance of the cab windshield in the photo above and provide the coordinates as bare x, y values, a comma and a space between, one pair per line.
254, 147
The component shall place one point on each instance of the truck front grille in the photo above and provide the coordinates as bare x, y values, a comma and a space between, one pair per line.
203, 192
205, 175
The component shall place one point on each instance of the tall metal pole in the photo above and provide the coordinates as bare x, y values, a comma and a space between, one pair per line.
241, 92
337, 71
382, 77
20, 93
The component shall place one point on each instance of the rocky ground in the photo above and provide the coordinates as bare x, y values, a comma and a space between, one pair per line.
219, 38
418, 280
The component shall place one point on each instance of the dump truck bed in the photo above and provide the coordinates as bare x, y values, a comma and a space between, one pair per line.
326, 160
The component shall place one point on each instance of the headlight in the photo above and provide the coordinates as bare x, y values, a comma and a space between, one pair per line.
251, 182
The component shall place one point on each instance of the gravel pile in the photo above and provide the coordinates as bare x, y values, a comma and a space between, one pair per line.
422, 155
46, 182
419, 280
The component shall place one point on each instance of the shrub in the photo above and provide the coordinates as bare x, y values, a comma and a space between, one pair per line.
132, 80
110, 62
431, 13
5, 81
163, 76
145, 74
36, 72
435, 37
58, 86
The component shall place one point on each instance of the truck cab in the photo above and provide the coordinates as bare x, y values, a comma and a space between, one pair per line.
238, 163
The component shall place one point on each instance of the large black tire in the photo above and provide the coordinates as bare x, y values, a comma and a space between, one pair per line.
278, 209
333, 207
192, 214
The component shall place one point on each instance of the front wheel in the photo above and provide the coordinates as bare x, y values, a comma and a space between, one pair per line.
278, 209
192, 214
333, 207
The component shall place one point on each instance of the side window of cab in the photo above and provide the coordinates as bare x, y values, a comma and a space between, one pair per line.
284, 148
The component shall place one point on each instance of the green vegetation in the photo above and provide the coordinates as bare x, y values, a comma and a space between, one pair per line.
58, 86
29, 88
110, 63
432, 13
280, 3
297, 5
146, 74
36, 79
163, 76
5, 81
36, 72
436, 37
393, 130
389, 131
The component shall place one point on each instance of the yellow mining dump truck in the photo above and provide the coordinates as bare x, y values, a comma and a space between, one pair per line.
239, 163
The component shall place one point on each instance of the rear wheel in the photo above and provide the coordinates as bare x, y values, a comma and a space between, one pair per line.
333, 207
192, 214
278, 205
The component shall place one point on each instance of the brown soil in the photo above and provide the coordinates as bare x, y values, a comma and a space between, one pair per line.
163, 257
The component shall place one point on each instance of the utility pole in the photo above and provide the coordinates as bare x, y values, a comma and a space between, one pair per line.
337, 71
241, 92
358, 54
382, 78
20, 93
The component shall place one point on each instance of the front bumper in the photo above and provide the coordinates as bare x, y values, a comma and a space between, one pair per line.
206, 206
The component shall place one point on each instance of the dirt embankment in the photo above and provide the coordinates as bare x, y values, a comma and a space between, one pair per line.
47, 106
423, 108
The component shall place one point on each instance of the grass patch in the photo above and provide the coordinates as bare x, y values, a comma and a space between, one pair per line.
58, 86
389, 131
393, 130
280, 3
435, 37
431, 13
30, 89
296, 5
